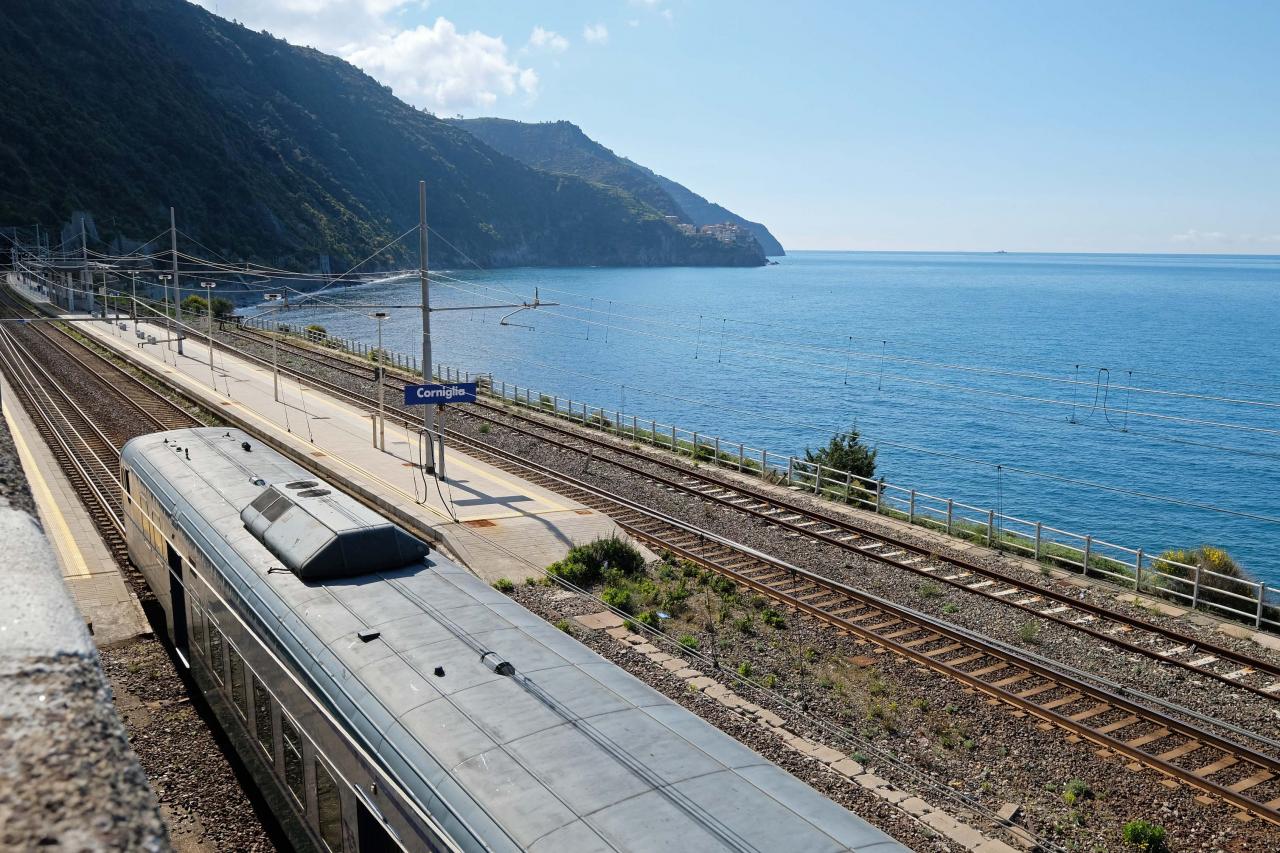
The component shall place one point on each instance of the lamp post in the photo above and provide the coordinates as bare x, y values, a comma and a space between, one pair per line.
382, 421
164, 282
133, 284
208, 295
275, 334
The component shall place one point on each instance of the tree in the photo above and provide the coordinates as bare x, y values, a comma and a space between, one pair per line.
222, 308
845, 452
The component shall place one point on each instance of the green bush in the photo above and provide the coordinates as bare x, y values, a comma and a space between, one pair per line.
845, 452
773, 619
584, 565
1029, 632
1213, 589
617, 597
315, 332
744, 669
650, 618
689, 641
1145, 836
1076, 791
563, 625
503, 585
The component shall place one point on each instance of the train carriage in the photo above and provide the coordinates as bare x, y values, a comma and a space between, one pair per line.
385, 699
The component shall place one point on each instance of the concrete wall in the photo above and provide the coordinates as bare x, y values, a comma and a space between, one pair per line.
68, 778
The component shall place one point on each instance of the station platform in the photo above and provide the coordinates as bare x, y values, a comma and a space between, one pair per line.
495, 524
110, 609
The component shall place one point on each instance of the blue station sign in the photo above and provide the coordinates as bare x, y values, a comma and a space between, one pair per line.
436, 394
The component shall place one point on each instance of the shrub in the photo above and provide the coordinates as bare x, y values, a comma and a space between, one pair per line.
650, 618
617, 597
1029, 632
1145, 836
930, 590
772, 618
584, 564
1076, 791
503, 585
563, 625
689, 641
531, 581
744, 625
1213, 589
950, 608
484, 429
845, 452
744, 669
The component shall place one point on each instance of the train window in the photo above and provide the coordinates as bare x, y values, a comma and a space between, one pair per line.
128, 490
215, 649
291, 741
328, 809
262, 717
237, 680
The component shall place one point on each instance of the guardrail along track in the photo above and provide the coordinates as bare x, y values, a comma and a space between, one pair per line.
1254, 675
1233, 772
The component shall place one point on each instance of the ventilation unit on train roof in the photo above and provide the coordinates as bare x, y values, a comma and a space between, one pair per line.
318, 537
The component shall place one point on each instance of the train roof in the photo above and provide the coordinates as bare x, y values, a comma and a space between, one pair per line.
559, 751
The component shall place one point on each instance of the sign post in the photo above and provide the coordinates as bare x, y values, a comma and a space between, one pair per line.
438, 394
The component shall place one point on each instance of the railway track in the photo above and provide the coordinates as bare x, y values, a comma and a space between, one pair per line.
1106, 715
1254, 675
84, 448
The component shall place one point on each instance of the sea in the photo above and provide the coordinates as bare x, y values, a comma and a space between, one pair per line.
1133, 398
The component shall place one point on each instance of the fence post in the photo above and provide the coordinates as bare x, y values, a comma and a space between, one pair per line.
693, 452
791, 468
1262, 594
635, 432
584, 414
1195, 590
848, 486
951, 509
879, 492
991, 525
741, 450
1039, 535
1088, 548
1137, 575
673, 438
717, 450
911, 510
764, 463
817, 480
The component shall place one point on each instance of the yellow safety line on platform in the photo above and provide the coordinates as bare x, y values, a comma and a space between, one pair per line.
61, 531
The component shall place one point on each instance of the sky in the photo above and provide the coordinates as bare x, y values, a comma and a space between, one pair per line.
949, 126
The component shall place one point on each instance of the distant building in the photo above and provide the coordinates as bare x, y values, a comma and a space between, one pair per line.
726, 232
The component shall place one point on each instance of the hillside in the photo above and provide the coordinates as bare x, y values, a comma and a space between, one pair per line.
276, 153
561, 146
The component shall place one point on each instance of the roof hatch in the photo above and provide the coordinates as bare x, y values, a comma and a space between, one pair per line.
317, 535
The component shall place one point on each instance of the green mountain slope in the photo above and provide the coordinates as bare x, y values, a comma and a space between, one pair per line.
277, 153
561, 146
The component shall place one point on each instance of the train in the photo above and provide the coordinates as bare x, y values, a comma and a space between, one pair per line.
383, 698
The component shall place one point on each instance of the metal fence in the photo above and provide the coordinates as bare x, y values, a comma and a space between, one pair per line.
1191, 586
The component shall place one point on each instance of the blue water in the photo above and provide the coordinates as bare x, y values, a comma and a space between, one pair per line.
982, 360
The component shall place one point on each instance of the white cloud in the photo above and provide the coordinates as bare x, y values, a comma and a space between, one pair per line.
442, 68
596, 33
633, 22
437, 66
550, 40
668, 14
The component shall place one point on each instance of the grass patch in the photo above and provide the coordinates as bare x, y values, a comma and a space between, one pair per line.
504, 585
1145, 836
